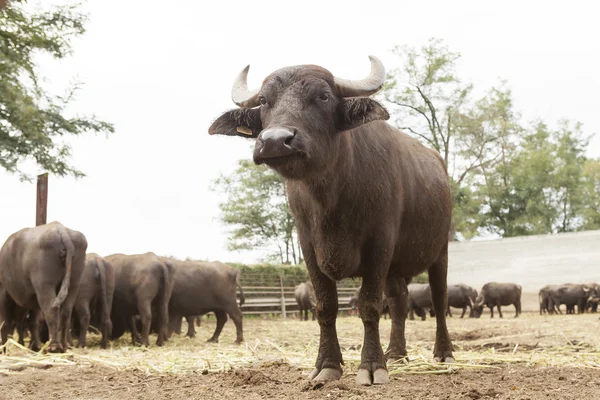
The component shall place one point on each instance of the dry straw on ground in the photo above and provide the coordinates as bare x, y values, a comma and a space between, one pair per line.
530, 340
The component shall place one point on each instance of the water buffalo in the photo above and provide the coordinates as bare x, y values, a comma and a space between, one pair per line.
419, 300
95, 298
201, 287
305, 298
385, 308
143, 286
496, 294
572, 295
368, 201
461, 296
546, 303
34, 262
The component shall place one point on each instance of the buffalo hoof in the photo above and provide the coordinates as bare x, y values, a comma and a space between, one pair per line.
212, 340
325, 375
449, 359
396, 355
55, 348
364, 378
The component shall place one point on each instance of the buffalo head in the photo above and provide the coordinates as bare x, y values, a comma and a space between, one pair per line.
299, 114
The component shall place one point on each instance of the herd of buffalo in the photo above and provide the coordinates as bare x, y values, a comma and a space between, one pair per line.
494, 294
368, 201
51, 289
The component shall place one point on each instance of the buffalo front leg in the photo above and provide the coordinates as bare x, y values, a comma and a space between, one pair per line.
438, 272
329, 359
499, 310
396, 293
372, 369
221, 320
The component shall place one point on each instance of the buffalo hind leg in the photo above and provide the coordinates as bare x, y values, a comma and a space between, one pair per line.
46, 295
221, 320
499, 310
190, 322
82, 309
236, 316
145, 310
396, 293
438, 273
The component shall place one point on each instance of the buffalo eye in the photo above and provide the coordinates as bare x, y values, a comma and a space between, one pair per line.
324, 97
262, 100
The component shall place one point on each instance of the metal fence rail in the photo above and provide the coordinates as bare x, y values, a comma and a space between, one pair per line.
280, 300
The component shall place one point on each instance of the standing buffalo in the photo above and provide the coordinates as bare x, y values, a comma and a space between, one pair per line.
419, 300
546, 303
201, 287
353, 303
461, 296
571, 295
496, 294
95, 298
368, 200
143, 285
34, 263
305, 298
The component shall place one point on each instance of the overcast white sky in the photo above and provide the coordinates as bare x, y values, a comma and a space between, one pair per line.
162, 71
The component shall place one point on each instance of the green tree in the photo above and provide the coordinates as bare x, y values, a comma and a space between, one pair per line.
33, 121
256, 208
590, 195
535, 188
428, 100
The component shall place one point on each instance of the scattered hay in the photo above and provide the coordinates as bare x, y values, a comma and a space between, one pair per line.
295, 344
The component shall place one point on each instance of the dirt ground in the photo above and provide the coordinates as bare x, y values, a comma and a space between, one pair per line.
530, 357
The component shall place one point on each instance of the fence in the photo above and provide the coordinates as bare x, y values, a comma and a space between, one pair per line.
274, 296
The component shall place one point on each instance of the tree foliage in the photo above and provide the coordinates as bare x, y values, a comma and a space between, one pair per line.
33, 121
255, 206
430, 101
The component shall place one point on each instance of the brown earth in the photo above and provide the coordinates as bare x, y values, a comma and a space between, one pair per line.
530, 357
282, 381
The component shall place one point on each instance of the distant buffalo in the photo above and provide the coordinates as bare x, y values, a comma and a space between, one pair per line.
496, 294
572, 295
305, 298
201, 287
461, 296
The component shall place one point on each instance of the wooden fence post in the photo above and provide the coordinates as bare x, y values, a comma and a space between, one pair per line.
41, 207
283, 313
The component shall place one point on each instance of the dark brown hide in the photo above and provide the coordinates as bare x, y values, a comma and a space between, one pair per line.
95, 298
496, 294
202, 287
35, 264
461, 296
368, 201
143, 285
306, 300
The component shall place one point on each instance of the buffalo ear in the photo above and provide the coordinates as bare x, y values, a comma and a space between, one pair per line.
243, 122
356, 111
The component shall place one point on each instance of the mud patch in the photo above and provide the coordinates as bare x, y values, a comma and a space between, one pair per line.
282, 381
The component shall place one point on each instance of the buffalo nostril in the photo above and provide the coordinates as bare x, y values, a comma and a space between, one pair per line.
288, 140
